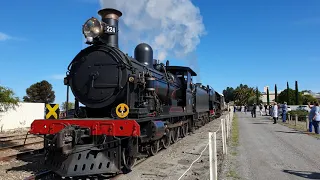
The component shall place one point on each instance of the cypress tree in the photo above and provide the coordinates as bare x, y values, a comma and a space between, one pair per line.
275, 93
287, 92
268, 101
297, 93
257, 95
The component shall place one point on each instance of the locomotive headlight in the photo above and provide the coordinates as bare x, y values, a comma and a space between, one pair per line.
92, 28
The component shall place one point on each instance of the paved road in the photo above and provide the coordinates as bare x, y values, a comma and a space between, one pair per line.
274, 152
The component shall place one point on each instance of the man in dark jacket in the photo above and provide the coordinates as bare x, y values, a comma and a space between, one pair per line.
253, 112
265, 109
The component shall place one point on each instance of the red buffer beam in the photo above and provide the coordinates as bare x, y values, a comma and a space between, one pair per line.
108, 127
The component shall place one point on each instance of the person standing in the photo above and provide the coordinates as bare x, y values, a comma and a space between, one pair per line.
245, 109
275, 113
284, 112
316, 117
260, 109
253, 112
265, 109
270, 110
310, 115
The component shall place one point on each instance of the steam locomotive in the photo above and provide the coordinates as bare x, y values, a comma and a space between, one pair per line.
133, 107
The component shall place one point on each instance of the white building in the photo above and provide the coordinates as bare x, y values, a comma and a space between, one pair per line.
271, 95
316, 95
22, 116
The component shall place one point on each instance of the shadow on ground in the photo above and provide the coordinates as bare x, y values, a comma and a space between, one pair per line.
290, 132
261, 123
304, 174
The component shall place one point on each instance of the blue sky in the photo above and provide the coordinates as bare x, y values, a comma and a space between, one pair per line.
253, 42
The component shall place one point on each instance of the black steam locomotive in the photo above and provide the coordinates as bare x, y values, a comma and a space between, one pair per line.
133, 107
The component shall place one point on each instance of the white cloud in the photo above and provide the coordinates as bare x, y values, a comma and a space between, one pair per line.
172, 27
4, 37
58, 76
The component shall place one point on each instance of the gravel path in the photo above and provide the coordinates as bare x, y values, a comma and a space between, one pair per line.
172, 163
272, 151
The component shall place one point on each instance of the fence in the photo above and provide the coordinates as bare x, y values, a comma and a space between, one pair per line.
296, 118
225, 128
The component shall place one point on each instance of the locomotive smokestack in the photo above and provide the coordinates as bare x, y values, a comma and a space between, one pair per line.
111, 18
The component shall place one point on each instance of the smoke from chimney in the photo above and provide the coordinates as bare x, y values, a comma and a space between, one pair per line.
172, 27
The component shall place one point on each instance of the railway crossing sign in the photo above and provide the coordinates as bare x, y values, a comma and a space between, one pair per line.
52, 111
122, 110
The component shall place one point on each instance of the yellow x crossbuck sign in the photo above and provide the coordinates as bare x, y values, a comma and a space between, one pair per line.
52, 111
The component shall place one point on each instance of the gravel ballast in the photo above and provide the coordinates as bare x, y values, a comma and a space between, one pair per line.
171, 163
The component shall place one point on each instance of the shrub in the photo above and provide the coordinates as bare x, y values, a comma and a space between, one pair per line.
301, 114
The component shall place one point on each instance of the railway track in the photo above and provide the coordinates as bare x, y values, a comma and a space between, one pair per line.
52, 176
48, 174
4, 140
21, 155
20, 146
14, 136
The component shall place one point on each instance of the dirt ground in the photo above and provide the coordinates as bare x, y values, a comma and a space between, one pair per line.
172, 163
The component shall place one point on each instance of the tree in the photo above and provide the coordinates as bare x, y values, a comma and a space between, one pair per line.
268, 99
7, 99
40, 92
288, 92
297, 93
275, 93
228, 94
70, 106
242, 94
283, 96
255, 99
308, 98
257, 96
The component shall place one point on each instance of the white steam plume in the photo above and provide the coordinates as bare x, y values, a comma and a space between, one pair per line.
172, 27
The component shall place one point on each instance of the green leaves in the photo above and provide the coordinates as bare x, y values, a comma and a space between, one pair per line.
7, 99
243, 94
70, 106
40, 92
228, 94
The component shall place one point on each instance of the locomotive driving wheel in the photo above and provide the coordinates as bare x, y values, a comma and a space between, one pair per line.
166, 139
203, 121
128, 156
154, 148
183, 130
128, 160
175, 134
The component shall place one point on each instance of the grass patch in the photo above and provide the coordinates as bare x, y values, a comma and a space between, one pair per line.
234, 142
233, 153
235, 131
233, 174
301, 126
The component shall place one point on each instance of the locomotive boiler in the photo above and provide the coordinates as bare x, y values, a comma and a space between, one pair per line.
133, 106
